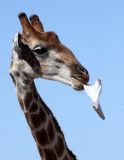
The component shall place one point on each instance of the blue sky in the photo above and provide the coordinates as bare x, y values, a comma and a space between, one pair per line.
94, 31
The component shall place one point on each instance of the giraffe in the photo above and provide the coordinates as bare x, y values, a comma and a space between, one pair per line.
39, 54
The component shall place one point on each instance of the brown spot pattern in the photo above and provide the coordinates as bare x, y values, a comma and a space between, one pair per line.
72, 155
17, 74
31, 62
39, 118
42, 115
51, 131
65, 158
40, 151
28, 99
33, 136
59, 147
50, 154
42, 137
27, 117
28, 120
33, 107
35, 94
35, 119
57, 127
47, 110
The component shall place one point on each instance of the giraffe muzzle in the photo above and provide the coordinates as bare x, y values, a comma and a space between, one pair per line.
79, 76
80, 73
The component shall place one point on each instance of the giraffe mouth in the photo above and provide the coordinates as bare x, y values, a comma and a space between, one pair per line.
77, 84
82, 80
79, 76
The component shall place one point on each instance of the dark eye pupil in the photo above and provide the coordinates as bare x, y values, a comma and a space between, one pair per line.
40, 51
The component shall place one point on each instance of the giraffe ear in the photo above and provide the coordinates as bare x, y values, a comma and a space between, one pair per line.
36, 23
17, 43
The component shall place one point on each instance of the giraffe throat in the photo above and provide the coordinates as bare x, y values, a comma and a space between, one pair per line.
44, 126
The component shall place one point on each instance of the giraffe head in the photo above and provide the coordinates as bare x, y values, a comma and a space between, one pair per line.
54, 60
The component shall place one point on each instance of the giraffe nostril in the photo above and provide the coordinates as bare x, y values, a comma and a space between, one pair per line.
82, 69
86, 72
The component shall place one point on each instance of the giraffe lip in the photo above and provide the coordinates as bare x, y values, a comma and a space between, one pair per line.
82, 81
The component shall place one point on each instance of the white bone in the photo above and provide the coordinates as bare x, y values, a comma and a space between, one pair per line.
94, 92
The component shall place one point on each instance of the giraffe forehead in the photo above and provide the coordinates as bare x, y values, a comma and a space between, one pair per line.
67, 57
35, 43
49, 39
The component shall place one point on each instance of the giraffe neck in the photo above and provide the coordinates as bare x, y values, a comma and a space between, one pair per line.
44, 127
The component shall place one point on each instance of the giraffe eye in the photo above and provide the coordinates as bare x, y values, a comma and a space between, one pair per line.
39, 50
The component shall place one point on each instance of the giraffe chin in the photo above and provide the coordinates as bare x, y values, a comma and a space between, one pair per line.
76, 84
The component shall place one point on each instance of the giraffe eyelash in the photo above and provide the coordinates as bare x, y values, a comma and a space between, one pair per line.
40, 50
